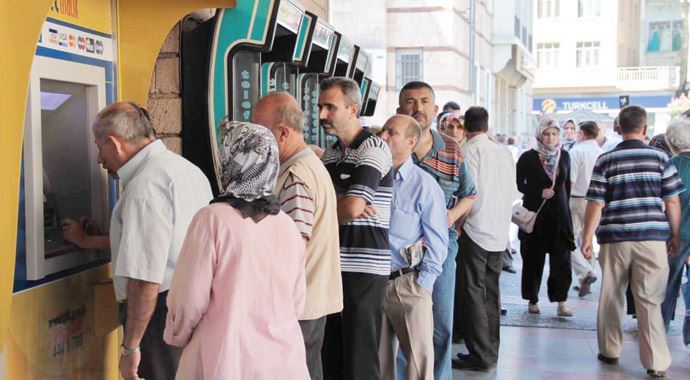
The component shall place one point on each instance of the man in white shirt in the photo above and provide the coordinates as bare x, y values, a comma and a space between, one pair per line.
483, 240
583, 156
161, 193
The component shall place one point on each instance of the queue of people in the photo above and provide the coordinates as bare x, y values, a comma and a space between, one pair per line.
364, 261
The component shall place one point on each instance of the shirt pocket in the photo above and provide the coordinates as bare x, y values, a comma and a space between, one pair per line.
404, 224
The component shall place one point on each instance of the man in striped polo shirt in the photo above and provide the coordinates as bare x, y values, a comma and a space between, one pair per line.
440, 156
306, 194
359, 164
632, 184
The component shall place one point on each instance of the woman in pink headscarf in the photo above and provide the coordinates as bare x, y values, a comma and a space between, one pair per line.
543, 177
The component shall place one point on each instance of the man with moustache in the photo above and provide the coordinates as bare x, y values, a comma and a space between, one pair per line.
359, 164
418, 244
440, 156
306, 194
161, 193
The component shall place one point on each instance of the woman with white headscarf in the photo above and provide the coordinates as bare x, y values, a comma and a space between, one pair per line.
239, 284
553, 230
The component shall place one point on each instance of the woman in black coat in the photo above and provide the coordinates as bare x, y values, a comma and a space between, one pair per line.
553, 229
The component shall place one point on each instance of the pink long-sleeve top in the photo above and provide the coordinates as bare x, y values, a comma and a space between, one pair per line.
236, 294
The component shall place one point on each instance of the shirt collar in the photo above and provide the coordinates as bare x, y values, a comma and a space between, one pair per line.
478, 138
634, 143
438, 144
404, 170
361, 136
127, 171
295, 157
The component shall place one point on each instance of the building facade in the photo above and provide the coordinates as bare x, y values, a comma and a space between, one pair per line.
473, 52
599, 55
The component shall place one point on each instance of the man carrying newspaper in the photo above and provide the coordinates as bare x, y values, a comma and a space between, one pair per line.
419, 244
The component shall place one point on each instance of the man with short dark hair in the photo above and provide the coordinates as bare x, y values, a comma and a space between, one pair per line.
453, 107
482, 242
418, 245
633, 184
440, 156
306, 194
583, 156
359, 164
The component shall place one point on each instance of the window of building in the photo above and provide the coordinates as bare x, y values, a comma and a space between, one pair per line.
548, 8
588, 8
664, 36
547, 55
587, 54
408, 67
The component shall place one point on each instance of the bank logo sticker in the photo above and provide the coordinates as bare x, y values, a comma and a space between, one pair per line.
75, 41
53, 36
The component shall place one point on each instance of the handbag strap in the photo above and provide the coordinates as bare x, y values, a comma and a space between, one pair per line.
553, 180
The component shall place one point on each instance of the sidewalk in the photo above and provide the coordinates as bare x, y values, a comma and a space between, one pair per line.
545, 346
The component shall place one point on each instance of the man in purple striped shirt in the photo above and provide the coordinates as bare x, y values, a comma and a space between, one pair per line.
307, 195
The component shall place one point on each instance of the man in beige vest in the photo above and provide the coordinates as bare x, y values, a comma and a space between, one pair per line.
307, 195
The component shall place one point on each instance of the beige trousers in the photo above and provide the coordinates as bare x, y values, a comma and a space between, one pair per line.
407, 316
644, 264
581, 266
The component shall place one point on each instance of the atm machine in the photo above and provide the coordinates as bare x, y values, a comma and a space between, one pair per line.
345, 59
319, 64
369, 105
222, 72
361, 74
279, 63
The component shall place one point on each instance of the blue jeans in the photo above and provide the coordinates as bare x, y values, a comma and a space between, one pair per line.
675, 274
443, 298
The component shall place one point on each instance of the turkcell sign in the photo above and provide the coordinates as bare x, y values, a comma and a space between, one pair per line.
598, 103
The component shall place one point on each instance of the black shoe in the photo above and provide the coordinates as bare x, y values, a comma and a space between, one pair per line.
462, 356
469, 365
509, 269
504, 312
655, 373
607, 359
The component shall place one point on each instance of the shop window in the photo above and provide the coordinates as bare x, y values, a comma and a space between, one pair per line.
664, 36
587, 54
408, 67
547, 55
548, 8
588, 8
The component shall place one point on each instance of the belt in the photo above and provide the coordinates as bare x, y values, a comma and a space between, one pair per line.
576, 196
399, 272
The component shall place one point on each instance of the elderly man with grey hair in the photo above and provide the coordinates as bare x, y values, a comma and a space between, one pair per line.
678, 138
306, 194
161, 193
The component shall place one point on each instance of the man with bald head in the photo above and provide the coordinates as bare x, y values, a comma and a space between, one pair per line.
418, 240
161, 193
307, 195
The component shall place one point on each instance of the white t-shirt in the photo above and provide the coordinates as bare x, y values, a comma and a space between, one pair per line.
492, 168
161, 193
583, 156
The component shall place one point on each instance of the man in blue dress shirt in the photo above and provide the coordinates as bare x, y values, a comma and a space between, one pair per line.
418, 238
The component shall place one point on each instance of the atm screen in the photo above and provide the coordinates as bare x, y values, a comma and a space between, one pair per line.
67, 165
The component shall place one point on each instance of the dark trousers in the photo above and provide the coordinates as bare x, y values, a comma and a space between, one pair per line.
313, 334
158, 359
358, 328
481, 300
533, 254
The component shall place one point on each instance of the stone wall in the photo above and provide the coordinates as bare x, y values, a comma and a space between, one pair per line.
165, 102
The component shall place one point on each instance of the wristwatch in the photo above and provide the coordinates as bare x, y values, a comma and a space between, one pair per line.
124, 351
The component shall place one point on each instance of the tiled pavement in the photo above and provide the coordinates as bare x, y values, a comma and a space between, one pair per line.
566, 348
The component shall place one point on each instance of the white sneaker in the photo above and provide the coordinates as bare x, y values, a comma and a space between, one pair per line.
533, 308
564, 311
